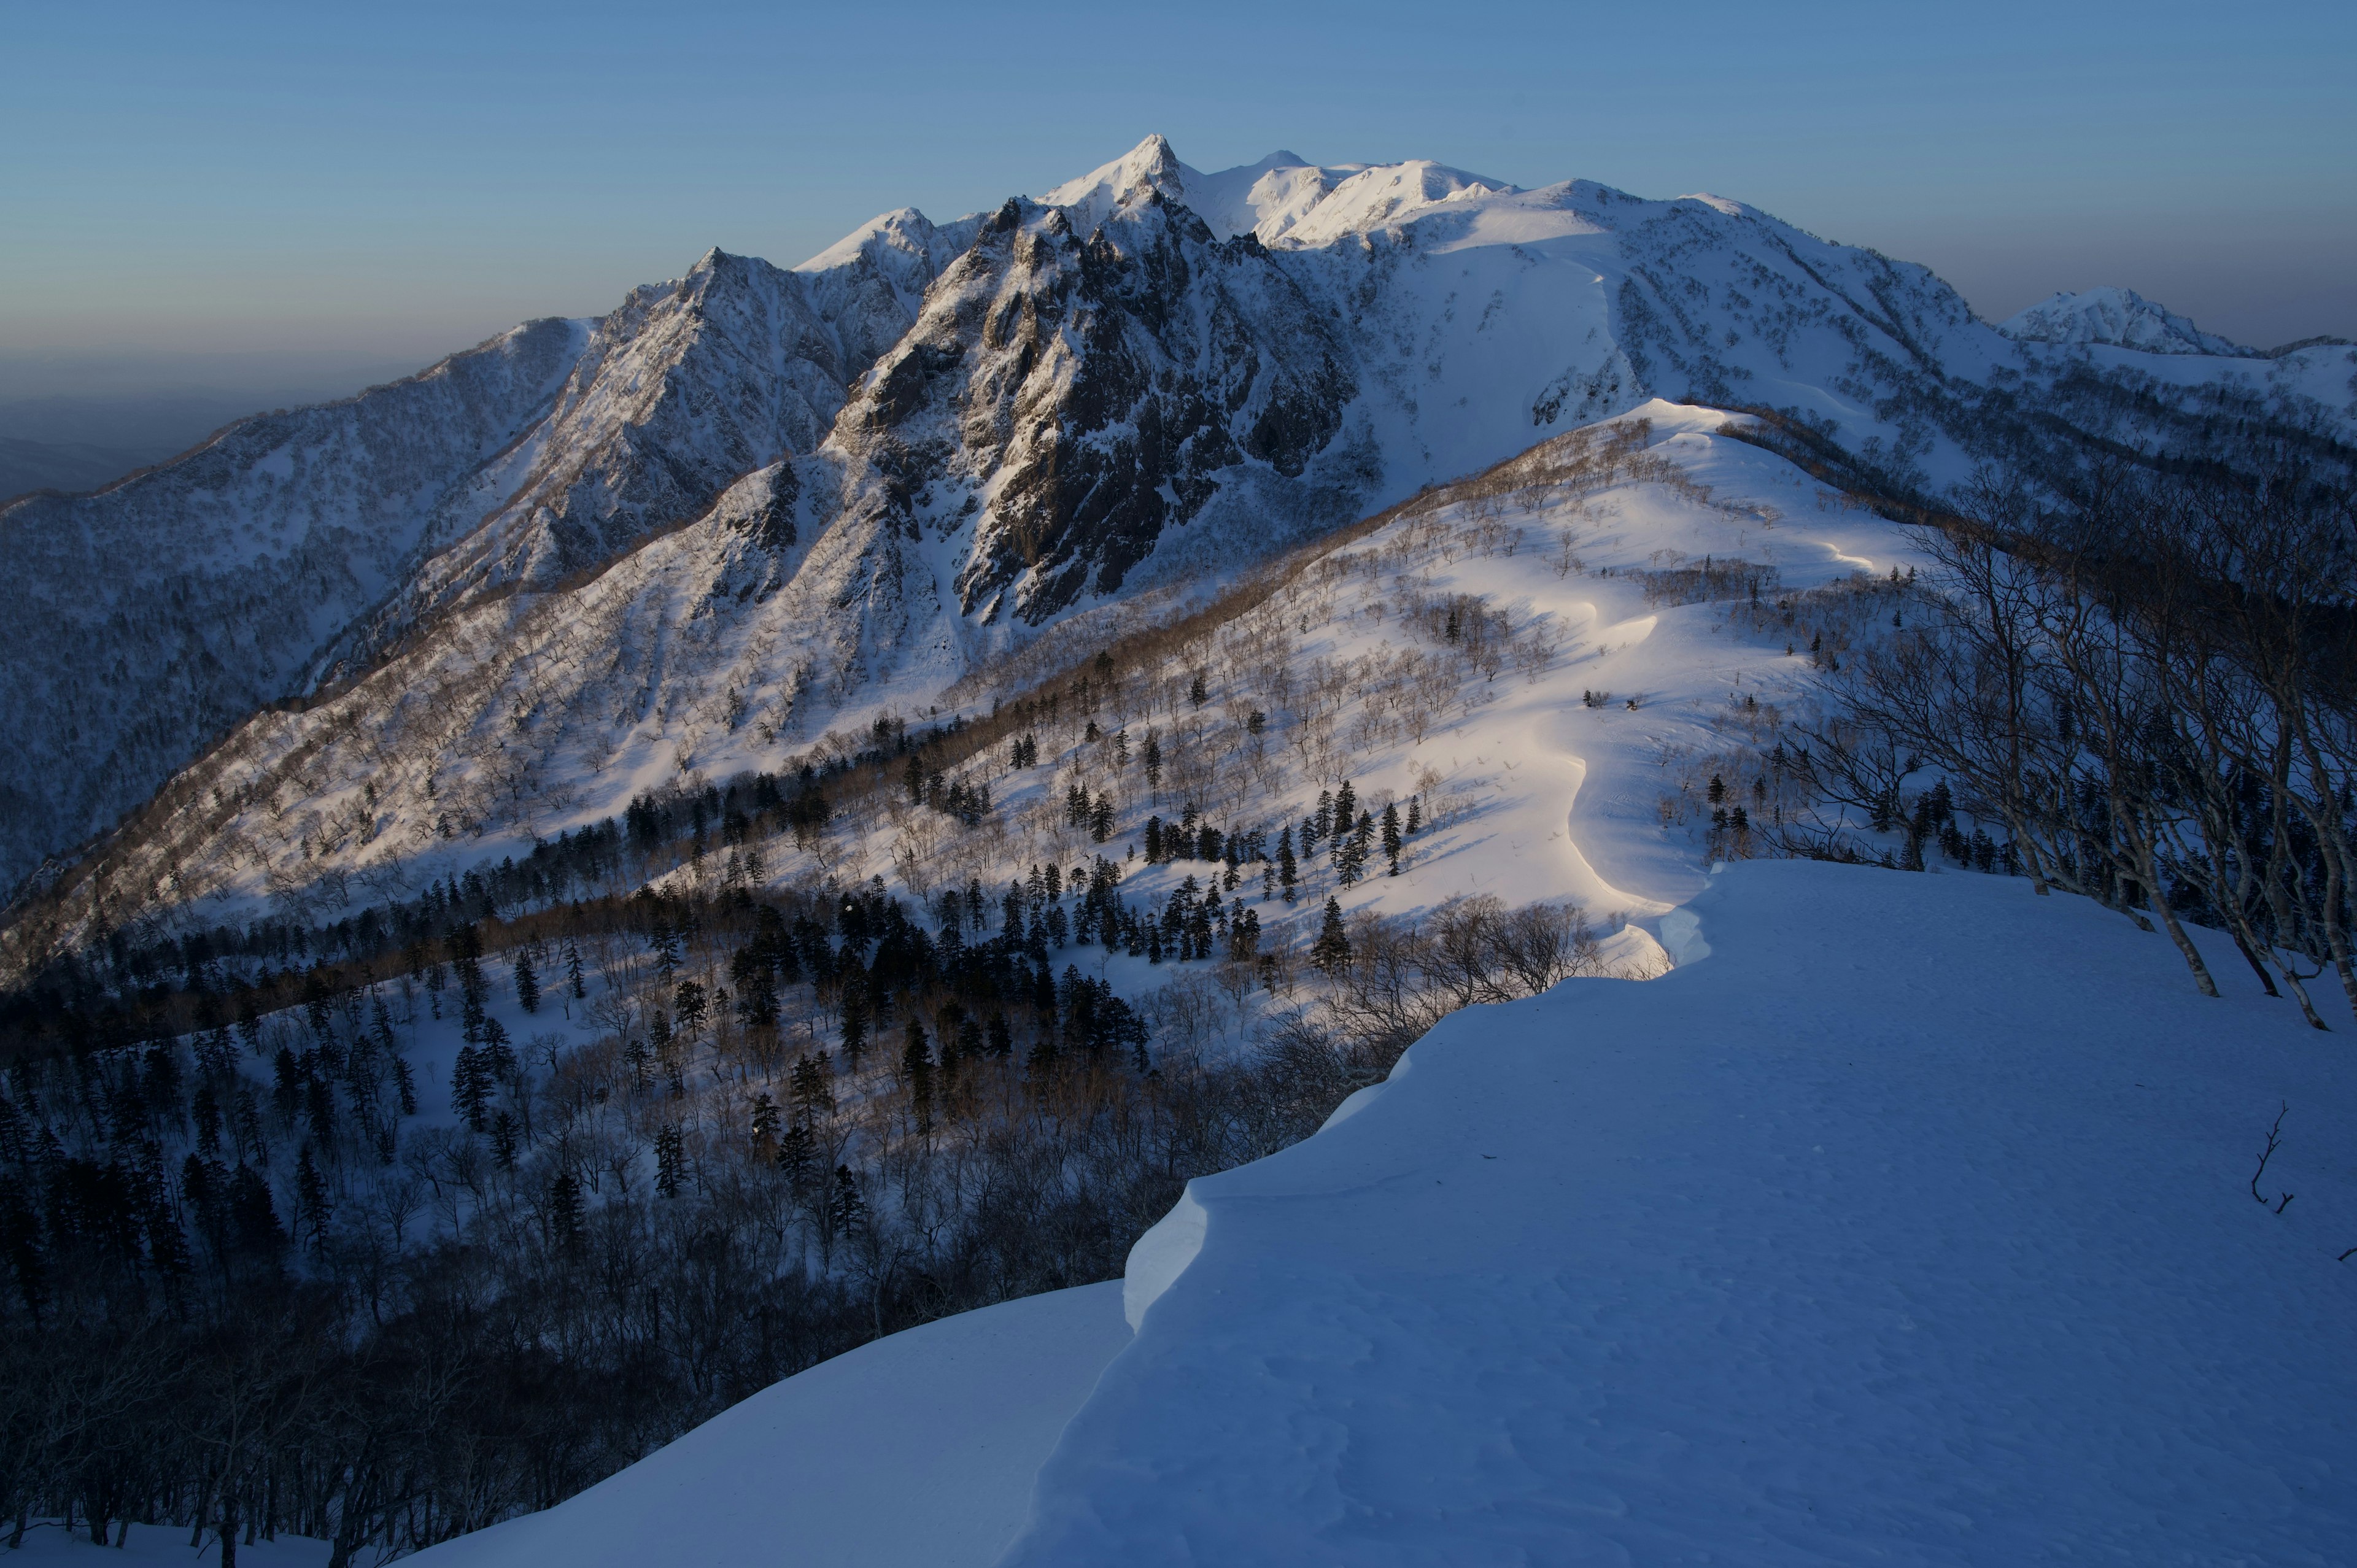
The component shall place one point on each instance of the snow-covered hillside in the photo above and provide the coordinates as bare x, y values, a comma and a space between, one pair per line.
1646, 593
959, 437
1911, 1219
170, 606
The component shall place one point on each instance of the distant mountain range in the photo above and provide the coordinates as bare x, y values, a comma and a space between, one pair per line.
753, 504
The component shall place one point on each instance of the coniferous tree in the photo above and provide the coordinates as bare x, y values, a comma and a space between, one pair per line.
1152, 756
690, 1008
527, 984
854, 1022
1288, 870
1392, 835
310, 1196
797, 1147
917, 1065
565, 1212
470, 1091
572, 972
671, 1160
1331, 951
846, 1211
1415, 815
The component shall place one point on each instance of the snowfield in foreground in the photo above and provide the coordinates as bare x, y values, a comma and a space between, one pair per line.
1909, 1221
918, 1449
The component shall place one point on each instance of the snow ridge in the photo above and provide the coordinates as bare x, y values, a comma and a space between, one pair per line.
974, 431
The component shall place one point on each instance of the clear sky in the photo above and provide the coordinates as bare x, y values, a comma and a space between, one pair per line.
178, 181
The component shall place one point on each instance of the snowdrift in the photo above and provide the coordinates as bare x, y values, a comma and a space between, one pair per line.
919, 1448
1910, 1221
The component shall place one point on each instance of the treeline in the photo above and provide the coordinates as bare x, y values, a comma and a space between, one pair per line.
2151, 681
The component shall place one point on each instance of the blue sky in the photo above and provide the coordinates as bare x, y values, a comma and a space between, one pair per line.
400, 180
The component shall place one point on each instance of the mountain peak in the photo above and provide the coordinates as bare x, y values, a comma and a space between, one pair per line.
1151, 164
2119, 317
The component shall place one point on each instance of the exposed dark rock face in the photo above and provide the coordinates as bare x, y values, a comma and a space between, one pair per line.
1093, 390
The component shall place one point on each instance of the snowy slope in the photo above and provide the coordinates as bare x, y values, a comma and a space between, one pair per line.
967, 434
156, 613
919, 1448
1909, 1221
1909, 1225
540, 712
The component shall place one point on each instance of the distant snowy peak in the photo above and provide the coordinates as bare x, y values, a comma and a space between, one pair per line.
1150, 165
1280, 199
2120, 317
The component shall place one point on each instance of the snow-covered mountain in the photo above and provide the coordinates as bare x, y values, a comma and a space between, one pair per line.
752, 503
161, 610
2120, 317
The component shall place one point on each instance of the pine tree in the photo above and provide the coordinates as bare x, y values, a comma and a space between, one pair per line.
564, 1214
917, 1065
689, 1006
854, 1022
1152, 756
808, 1089
503, 1140
1289, 871
848, 1210
1197, 692
1331, 951
1415, 815
469, 1093
498, 1056
572, 972
1392, 835
527, 984
310, 1196
671, 1160
796, 1149
1346, 809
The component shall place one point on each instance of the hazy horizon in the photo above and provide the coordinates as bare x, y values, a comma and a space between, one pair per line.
251, 199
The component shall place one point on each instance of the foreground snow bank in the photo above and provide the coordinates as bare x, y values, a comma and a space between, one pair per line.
916, 1450
1912, 1225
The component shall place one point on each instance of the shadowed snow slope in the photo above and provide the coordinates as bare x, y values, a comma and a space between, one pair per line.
1908, 1223
1910, 1226
916, 1449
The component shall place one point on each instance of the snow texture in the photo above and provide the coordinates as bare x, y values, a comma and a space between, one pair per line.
1909, 1224
916, 1449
